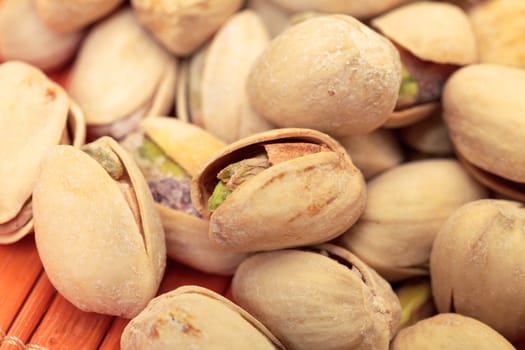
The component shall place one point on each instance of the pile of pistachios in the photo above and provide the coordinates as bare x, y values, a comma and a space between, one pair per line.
358, 167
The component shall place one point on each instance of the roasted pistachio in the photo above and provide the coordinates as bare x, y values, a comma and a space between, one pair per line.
325, 298
415, 297
98, 234
405, 209
477, 265
275, 17
115, 94
429, 136
329, 73
290, 187
192, 317
32, 107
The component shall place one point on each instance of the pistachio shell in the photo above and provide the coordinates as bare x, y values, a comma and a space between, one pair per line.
99, 256
329, 73
72, 15
274, 17
415, 296
486, 123
194, 317
226, 111
182, 26
450, 331
321, 299
405, 209
32, 108
413, 26
108, 89
499, 26
24, 37
429, 136
310, 199
477, 265
411, 115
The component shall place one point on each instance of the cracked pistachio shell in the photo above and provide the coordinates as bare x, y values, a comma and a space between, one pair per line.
71, 15
115, 94
187, 238
359, 9
450, 331
413, 27
226, 111
329, 73
405, 209
184, 25
485, 123
305, 200
429, 136
321, 299
23, 36
32, 107
193, 317
410, 115
499, 28
477, 265
96, 252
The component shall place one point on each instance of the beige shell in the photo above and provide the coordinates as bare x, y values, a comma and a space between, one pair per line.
432, 31
306, 200
192, 317
275, 18
32, 107
405, 209
95, 252
373, 153
184, 25
499, 28
187, 238
72, 15
329, 73
323, 298
410, 115
359, 9
226, 111
450, 331
120, 76
24, 37
477, 262
429, 136
485, 123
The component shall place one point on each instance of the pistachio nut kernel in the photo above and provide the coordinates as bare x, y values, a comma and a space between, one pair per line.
192, 317
476, 265
323, 297
450, 331
301, 186
415, 296
108, 254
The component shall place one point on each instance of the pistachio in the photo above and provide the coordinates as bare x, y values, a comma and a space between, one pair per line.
449, 331
416, 301
32, 107
24, 37
324, 298
329, 73
477, 262
429, 136
192, 317
182, 26
307, 191
275, 17
405, 209
108, 254
116, 94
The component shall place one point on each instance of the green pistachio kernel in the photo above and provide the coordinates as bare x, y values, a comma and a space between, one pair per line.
218, 196
106, 158
408, 90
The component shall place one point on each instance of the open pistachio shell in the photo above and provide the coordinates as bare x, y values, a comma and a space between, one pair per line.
450, 331
411, 115
226, 111
24, 37
115, 94
72, 15
429, 136
483, 109
98, 233
32, 107
193, 317
405, 209
323, 298
329, 73
477, 263
308, 199
182, 26
187, 238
